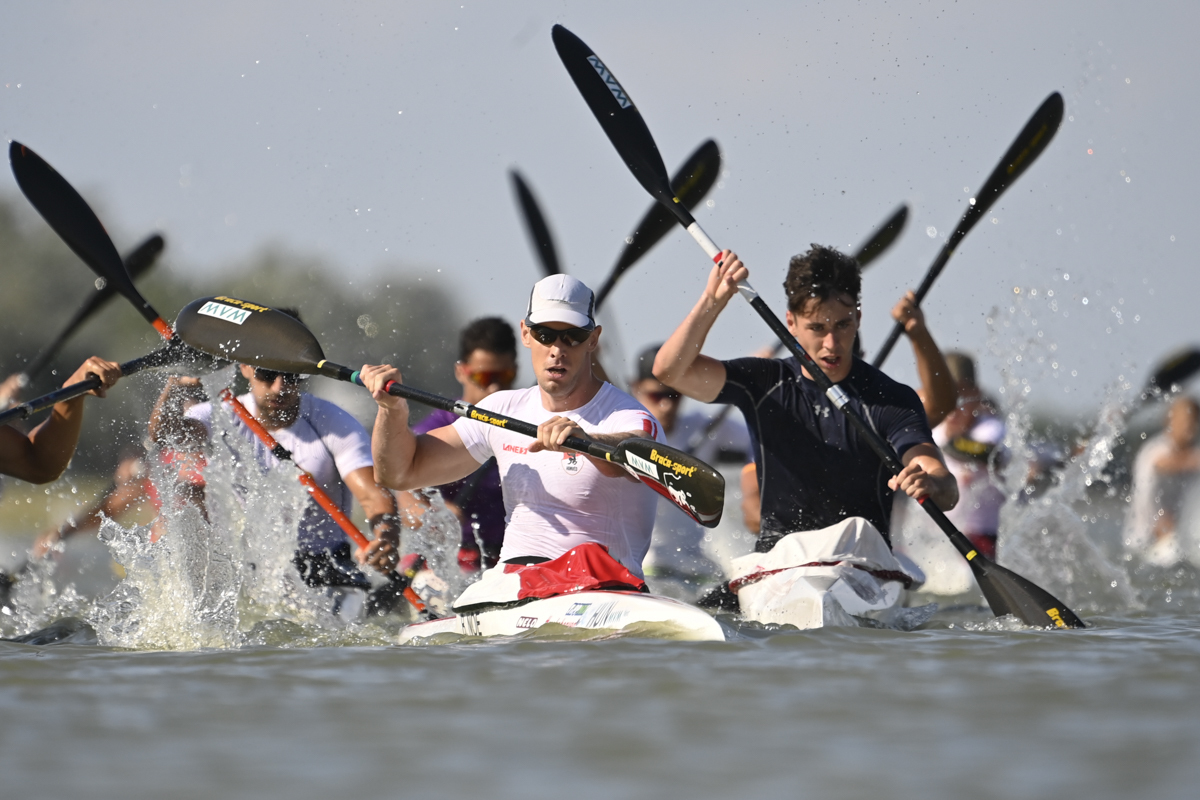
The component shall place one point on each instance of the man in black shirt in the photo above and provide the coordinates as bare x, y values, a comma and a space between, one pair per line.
813, 467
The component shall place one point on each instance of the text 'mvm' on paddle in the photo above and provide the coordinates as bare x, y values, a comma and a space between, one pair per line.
255, 334
1006, 592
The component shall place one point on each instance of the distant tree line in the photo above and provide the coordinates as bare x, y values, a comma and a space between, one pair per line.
389, 316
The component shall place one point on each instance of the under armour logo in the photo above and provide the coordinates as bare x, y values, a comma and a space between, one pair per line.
821, 410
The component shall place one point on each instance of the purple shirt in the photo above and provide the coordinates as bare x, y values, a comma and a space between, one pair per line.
486, 505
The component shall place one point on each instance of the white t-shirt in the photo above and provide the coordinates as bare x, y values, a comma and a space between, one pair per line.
326, 442
555, 501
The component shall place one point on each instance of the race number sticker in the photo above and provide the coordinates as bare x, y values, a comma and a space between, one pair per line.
221, 311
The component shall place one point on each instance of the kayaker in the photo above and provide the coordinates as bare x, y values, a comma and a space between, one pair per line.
555, 498
972, 438
42, 455
676, 551
487, 363
325, 441
813, 468
1166, 474
937, 391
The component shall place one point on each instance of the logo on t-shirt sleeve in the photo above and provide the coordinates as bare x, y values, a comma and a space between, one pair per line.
650, 427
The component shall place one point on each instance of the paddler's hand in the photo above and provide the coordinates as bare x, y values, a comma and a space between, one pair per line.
383, 553
375, 378
553, 432
926, 476
109, 372
909, 314
723, 280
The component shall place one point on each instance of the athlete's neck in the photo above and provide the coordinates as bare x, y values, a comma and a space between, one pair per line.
578, 397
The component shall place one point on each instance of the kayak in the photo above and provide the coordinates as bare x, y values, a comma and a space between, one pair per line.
841, 576
619, 611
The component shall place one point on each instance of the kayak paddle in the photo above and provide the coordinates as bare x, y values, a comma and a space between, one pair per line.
170, 354
691, 182
400, 582
261, 336
136, 263
535, 225
75, 222
1006, 592
1030, 143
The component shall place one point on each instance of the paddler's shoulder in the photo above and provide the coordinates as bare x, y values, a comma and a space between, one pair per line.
872, 383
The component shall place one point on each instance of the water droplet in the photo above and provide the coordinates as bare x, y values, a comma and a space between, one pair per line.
100, 283
931, 231
1085, 301
1066, 276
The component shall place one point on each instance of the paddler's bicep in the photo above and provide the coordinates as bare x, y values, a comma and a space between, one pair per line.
703, 379
440, 457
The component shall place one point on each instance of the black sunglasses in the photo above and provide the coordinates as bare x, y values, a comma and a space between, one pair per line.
268, 376
548, 336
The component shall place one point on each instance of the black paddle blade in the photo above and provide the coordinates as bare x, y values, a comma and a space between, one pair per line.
1025, 149
535, 225
690, 184
144, 256
137, 263
619, 117
73, 219
1009, 593
686, 481
1173, 372
882, 237
249, 333
1029, 144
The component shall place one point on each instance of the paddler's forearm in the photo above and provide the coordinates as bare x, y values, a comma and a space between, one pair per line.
939, 395
682, 348
53, 442
393, 446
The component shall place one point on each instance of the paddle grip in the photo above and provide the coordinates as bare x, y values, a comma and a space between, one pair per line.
465, 410
26, 410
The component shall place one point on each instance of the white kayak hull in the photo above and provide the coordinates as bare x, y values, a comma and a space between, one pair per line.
661, 617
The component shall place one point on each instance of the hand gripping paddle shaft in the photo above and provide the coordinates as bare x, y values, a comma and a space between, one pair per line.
250, 333
310, 484
1029, 144
1006, 592
876, 244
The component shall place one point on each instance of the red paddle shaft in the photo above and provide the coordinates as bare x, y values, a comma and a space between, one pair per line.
310, 483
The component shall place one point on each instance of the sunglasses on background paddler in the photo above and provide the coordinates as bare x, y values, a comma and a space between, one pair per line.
268, 377
570, 337
483, 378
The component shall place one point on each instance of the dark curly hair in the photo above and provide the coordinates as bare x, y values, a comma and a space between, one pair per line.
821, 274
487, 333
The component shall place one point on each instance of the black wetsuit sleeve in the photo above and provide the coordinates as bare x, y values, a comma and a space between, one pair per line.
747, 381
902, 420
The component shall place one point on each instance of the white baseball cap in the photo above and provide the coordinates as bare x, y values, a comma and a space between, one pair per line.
561, 298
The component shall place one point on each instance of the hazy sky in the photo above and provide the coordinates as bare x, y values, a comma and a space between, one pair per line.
380, 135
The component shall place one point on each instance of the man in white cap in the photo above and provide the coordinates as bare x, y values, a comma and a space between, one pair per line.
555, 498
